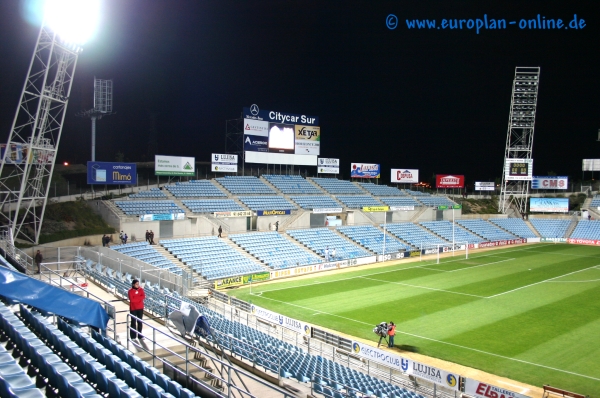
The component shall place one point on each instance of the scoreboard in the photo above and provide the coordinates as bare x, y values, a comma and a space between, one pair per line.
518, 169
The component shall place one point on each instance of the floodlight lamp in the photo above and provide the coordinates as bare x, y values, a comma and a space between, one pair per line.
74, 21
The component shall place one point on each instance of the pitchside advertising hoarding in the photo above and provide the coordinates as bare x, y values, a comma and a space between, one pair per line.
174, 166
478, 389
549, 205
111, 173
449, 181
485, 186
328, 166
18, 153
281, 320
408, 176
518, 169
224, 163
550, 182
365, 170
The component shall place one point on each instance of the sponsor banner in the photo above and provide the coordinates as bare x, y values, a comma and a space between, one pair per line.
533, 240
433, 250
457, 247
229, 282
255, 113
407, 366
327, 210
224, 163
372, 209
478, 389
244, 213
549, 205
256, 127
591, 242
550, 240
111, 173
449, 207
449, 181
550, 182
485, 186
502, 243
281, 320
174, 166
273, 212
19, 153
260, 277
162, 217
281, 138
402, 208
361, 261
365, 170
518, 169
328, 166
308, 140
256, 143
390, 256
414, 253
405, 175
591, 165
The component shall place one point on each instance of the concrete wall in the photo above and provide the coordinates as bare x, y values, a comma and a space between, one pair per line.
301, 222
262, 223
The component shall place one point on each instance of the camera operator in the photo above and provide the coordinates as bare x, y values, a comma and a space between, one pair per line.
391, 331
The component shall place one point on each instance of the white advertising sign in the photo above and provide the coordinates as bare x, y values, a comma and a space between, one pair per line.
518, 169
174, 166
485, 186
256, 127
591, 165
328, 166
479, 389
224, 163
327, 210
242, 213
550, 182
407, 366
402, 208
281, 320
405, 175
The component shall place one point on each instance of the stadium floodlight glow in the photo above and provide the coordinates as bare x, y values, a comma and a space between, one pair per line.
74, 21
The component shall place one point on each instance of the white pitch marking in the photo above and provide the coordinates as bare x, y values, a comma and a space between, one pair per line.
481, 265
423, 287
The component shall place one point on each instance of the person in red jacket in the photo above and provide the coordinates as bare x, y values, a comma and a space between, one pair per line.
391, 333
136, 308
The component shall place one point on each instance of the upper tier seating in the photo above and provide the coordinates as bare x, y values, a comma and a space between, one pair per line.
415, 193
275, 250
405, 201
551, 228
315, 202
488, 231
358, 201
239, 185
140, 207
319, 239
145, 252
195, 189
267, 203
515, 226
292, 184
446, 230
587, 230
595, 202
212, 205
381, 190
212, 257
335, 187
435, 201
413, 234
372, 238
152, 193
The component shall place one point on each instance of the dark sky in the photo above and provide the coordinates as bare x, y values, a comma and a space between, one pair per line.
434, 100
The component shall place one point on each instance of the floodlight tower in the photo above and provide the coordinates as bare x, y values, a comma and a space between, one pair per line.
103, 90
28, 160
519, 140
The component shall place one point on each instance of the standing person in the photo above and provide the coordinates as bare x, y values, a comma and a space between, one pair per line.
220, 231
147, 236
125, 238
333, 254
327, 254
276, 226
136, 308
151, 236
104, 240
38, 260
391, 333
121, 236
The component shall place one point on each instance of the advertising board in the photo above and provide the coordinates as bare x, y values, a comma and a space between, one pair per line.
591, 165
281, 138
327, 210
242, 213
365, 170
483, 245
518, 169
281, 320
256, 127
224, 163
174, 166
111, 173
550, 182
402, 208
261, 213
19, 153
229, 282
256, 143
162, 217
578, 241
485, 186
449, 181
478, 389
549, 205
328, 166
375, 208
308, 140
405, 176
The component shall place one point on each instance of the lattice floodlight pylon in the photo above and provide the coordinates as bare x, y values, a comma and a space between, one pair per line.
30, 152
519, 141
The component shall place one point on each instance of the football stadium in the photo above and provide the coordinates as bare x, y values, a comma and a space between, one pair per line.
265, 273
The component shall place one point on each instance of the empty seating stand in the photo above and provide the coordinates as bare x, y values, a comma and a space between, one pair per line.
315, 202
515, 226
372, 238
446, 230
435, 201
292, 184
319, 239
401, 201
358, 201
141, 207
196, 189
145, 252
212, 205
587, 230
413, 234
381, 190
485, 229
334, 186
152, 193
239, 185
267, 203
550, 228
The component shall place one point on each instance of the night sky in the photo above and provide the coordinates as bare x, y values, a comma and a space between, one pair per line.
435, 100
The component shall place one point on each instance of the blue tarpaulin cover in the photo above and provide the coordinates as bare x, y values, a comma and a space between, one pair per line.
22, 288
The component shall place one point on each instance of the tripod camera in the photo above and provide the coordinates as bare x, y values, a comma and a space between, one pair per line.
381, 330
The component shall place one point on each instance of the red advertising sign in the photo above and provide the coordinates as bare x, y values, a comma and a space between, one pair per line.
584, 241
502, 243
449, 181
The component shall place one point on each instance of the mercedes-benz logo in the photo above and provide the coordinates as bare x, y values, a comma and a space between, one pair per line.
254, 109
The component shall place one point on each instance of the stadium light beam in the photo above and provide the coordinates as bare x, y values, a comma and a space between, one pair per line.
74, 21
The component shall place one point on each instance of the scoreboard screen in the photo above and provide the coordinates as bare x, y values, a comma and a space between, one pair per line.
518, 169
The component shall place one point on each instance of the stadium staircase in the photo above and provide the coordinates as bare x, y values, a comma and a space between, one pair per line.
419, 213
572, 227
594, 212
298, 213
532, 228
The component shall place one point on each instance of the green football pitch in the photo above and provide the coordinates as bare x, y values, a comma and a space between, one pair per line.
530, 313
